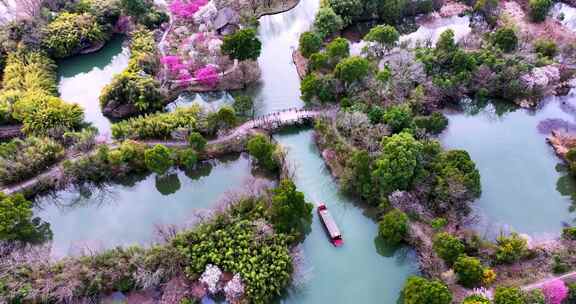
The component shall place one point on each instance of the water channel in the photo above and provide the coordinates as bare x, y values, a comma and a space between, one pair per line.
81, 78
521, 186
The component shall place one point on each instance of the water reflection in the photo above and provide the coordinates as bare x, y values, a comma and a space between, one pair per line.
81, 79
210, 101
517, 166
123, 214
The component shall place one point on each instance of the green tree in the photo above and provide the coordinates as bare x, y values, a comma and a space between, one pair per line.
320, 87
135, 8
197, 141
262, 150
398, 118
17, 221
327, 22
319, 61
135, 88
448, 247
158, 159
349, 10
69, 33
244, 104
396, 167
227, 116
242, 45
338, 49
505, 38
455, 170
539, 9
352, 69
357, 177
434, 124
469, 271
536, 296
393, 227
187, 158
392, 11
309, 43
418, 290
290, 213
508, 295
385, 35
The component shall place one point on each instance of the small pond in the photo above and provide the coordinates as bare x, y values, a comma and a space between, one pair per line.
81, 79
127, 213
523, 188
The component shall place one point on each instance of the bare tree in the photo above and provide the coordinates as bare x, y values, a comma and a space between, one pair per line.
30, 8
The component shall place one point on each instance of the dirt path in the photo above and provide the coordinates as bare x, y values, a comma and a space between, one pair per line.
570, 277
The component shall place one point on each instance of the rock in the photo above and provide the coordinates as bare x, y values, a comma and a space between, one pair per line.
118, 110
541, 78
300, 62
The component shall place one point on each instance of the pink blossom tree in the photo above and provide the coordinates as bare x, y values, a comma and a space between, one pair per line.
207, 76
173, 63
555, 291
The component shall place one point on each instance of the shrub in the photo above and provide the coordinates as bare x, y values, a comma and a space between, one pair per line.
290, 213
448, 247
398, 118
17, 221
505, 38
29, 71
469, 271
510, 249
352, 69
43, 114
569, 233
433, 124
23, 158
539, 9
418, 290
475, 299
392, 11
546, 47
156, 126
140, 90
197, 141
207, 76
69, 33
393, 227
571, 299
555, 291
242, 45
338, 49
158, 159
385, 35
534, 296
508, 295
439, 223
310, 43
263, 150
488, 276
327, 22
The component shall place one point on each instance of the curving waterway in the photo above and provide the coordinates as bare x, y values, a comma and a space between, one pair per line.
523, 187
81, 79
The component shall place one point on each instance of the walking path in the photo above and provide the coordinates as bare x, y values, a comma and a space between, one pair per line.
570, 277
269, 122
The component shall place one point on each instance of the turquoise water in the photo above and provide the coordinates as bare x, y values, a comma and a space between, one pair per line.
128, 212
361, 271
520, 179
81, 79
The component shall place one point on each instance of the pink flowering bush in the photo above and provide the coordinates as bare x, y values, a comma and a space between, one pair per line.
207, 76
185, 9
173, 64
555, 291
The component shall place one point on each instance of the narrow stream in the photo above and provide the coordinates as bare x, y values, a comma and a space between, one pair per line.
81, 79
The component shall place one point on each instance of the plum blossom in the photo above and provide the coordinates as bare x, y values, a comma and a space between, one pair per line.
211, 277
214, 46
173, 63
555, 291
234, 289
207, 76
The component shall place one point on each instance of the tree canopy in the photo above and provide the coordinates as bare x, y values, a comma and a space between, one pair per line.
242, 45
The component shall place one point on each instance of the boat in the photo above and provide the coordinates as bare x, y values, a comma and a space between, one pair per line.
330, 225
